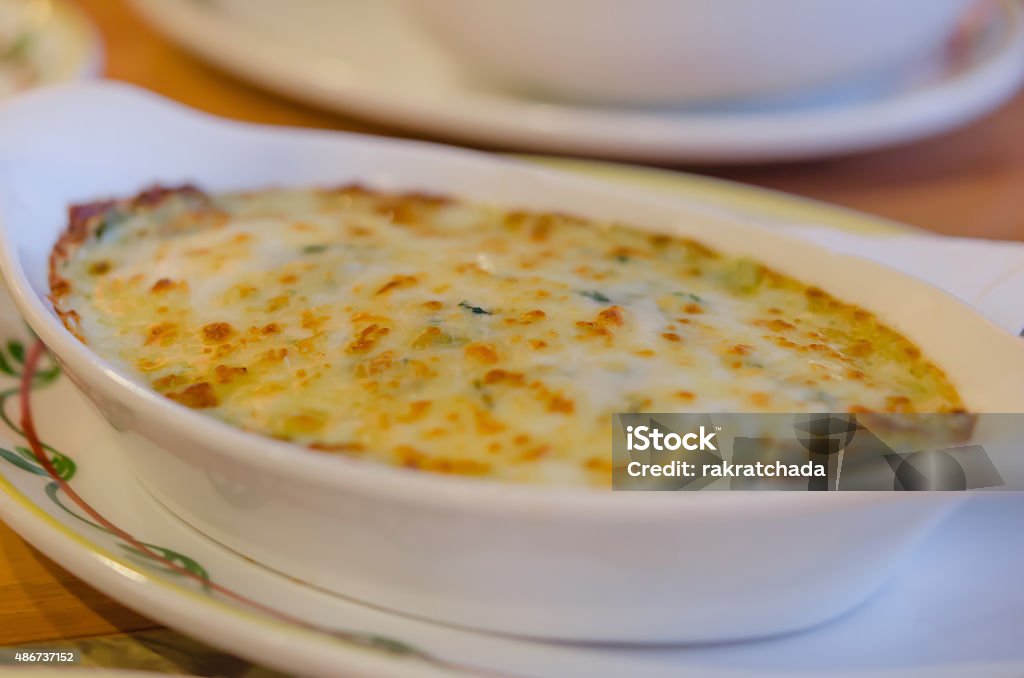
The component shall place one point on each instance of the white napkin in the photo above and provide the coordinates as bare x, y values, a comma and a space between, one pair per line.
986, 274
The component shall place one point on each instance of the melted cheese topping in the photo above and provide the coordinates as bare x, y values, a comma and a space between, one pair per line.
456, 337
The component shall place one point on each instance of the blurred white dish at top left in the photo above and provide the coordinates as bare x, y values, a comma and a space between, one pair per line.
43, 42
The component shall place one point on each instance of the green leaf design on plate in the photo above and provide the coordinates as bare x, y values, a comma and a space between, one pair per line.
171, 556
23, 464
17, 350
12, 361
25, 459
53, 492
46, 377
5, 366
62, 464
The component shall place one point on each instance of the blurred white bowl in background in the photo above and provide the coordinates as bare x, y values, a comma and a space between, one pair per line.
655, 52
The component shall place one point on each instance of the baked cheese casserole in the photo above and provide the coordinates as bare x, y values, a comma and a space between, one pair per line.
441, 335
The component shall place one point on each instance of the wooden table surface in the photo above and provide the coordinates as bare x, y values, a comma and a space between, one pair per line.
970, 182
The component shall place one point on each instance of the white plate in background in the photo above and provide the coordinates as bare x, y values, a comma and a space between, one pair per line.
368, 59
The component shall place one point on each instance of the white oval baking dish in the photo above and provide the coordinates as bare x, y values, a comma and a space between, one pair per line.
574, 564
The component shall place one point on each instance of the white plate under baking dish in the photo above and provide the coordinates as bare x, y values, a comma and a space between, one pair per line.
369, 59
571, 564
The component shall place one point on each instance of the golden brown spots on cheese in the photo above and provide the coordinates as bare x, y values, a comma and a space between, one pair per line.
433, 305
274, 355
411, 457
599, 327
367, 338
169, 381
99, 267
417, 410
538, 226
304, 423
860, 348
242, 291
396, 283
197, 396
366, 316
277, 303
376, 365
161, 333
534, 453
671, 336
310, 346
610, 316
698, 249
486, 423
59, 288
776, 325
226, 374
163, 285
149, 364
484, 354
504, 377
686, 396
527, 318
592, 328
270, 388
898, 403
217, 332
311, 320
431, 336
559, 403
